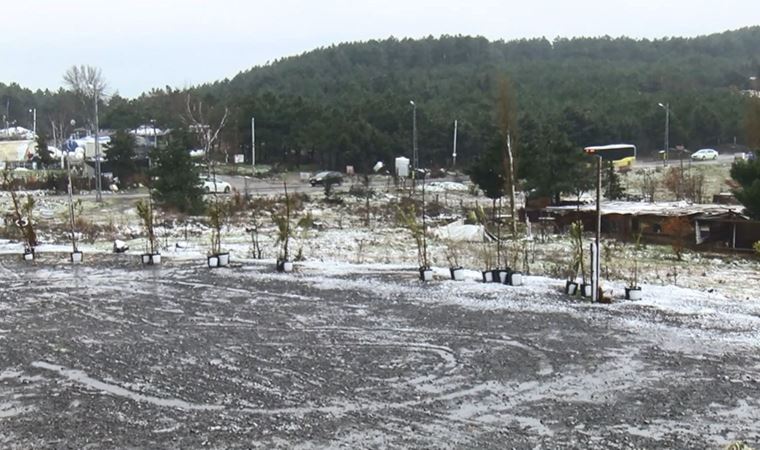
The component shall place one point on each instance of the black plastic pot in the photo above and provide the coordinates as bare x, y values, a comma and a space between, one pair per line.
218, 260
426, 274
501, 275
457, 273
284, 265
571, 287
28, 255
633, 293
76, 257
515, 278
586, 287
487, 276
152, 259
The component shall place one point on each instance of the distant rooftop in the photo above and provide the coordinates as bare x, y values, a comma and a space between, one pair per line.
659, 208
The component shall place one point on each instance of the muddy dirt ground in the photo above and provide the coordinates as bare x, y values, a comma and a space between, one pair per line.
112, 355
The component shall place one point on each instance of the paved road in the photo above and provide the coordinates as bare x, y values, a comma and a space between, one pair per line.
110, 355
294, 184
723, 158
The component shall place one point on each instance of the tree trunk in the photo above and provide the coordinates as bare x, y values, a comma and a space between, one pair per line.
512, 185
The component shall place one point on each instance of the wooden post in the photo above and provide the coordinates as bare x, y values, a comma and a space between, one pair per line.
595, 266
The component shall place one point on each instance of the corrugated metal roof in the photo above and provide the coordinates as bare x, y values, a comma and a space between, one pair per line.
661, 209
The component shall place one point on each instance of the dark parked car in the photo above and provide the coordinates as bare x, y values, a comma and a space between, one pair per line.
322, 178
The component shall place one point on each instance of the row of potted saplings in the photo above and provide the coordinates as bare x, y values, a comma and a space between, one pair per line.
585, 290
218, 258
152, 256
632, 291
504, 276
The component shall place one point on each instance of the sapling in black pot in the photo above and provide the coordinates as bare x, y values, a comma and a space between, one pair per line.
514, 276
452, 255
486, 254
254, 230
633, 290
23, 217
284, 233
145, 211
502, 270
76, 255
408, 218
217, 213
576, 264
490, 273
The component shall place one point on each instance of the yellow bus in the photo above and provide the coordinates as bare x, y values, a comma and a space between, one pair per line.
621, 155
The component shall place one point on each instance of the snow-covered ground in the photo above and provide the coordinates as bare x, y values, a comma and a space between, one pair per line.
352, 351
343, 355
340, 235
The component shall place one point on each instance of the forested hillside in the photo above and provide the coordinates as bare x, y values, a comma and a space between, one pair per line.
349, 103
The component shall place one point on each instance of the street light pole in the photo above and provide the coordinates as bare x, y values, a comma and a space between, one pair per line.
71, 198
454, 154
595, 255
666, 107
98, 195
34, 120
415, 156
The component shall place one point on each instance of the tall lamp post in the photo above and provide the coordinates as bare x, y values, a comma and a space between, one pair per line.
34, 120
99, 194
253, 146
666, 107
74, 250
415, 156
454, 153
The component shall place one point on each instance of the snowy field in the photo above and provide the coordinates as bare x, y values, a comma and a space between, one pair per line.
336, 355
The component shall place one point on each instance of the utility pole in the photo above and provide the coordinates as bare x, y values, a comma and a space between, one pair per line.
666, 107
99, 194
454, 154
667, 132
415, 154
7, 115
253, 146
34, 120
71, 194
595, 254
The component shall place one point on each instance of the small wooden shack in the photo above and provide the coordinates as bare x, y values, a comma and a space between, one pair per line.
713, 226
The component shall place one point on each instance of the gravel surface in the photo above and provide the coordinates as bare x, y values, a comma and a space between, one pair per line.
112, 355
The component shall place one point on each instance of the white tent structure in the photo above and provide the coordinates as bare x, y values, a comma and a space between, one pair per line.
461, 232
16, 151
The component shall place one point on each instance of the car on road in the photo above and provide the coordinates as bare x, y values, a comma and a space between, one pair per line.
210, 186
325, 177
704, 154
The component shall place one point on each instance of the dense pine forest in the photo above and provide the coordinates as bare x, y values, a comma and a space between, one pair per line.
350, 103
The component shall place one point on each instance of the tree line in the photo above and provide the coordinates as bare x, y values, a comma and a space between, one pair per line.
349, 103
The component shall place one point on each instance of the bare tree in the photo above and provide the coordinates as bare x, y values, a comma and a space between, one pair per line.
507, 124
88, 84
198, 121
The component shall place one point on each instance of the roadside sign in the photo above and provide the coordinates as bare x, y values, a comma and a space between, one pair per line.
239, 158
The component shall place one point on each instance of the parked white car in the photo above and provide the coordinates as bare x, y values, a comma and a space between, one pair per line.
704, 154
221, 186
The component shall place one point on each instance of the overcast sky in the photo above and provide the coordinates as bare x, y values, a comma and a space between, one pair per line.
140, 44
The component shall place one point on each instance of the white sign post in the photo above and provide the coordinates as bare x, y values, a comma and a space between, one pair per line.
595, 268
